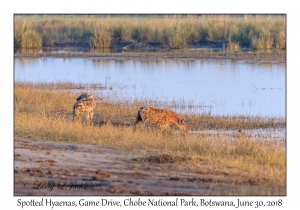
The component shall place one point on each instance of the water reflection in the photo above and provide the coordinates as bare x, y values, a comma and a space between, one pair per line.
207, 85
65, 50
27, 51
269, 134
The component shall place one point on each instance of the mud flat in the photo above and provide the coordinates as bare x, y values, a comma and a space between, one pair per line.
264, 57
52, 168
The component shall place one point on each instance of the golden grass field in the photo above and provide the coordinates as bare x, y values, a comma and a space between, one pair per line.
239, 163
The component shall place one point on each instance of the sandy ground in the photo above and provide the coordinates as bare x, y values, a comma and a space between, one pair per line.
51, 168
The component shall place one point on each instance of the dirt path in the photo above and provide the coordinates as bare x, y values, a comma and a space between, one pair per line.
49, 168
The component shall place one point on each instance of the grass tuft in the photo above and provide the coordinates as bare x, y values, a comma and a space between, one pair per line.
25, 36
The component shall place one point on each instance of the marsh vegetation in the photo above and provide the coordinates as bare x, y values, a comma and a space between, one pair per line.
231, 32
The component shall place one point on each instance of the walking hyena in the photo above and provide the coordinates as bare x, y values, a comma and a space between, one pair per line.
162, 117
85, 105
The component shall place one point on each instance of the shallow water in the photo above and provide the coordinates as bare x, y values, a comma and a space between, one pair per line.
270, 134
204, 85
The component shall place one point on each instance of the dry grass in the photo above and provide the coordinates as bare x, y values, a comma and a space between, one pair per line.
25, 36
44, 114
100, 36
178, 31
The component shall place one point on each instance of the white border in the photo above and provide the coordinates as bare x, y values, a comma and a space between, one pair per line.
152, 7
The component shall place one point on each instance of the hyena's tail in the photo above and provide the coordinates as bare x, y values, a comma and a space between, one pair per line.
74, 115
139, 115
75, 111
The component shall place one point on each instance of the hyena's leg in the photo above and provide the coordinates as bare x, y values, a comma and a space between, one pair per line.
91, 115
77, 118
76, 115
138, 125
181, 127
165, 127
87, 118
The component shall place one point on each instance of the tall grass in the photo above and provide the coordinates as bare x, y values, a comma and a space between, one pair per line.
101, 37
258, 33
25, 36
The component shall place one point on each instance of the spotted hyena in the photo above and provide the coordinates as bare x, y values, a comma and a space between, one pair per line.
162, 117
85, 105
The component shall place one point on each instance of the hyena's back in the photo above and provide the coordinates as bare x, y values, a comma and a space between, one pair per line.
85, 105
161, 117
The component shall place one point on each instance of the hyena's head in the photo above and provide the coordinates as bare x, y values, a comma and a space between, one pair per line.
182, 125
85, 96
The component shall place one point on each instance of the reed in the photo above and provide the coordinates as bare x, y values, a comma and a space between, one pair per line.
177, 31
25, 36
101, 37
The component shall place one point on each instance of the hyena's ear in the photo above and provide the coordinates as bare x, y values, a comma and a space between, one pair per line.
90, 96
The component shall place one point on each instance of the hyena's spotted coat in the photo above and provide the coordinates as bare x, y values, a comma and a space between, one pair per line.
85, 105
162, 117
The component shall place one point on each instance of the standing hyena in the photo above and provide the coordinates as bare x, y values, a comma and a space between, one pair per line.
162, 117
85, 105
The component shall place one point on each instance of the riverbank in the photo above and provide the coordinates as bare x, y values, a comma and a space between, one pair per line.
259, 57
55, 168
